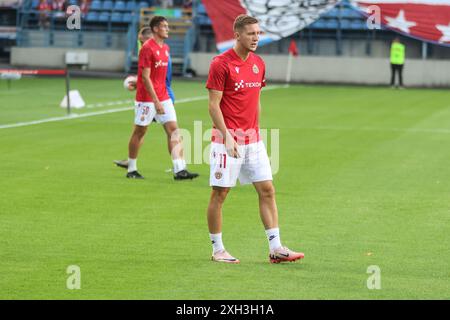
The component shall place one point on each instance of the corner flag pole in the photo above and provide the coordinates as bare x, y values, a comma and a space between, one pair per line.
68, 91
289, 68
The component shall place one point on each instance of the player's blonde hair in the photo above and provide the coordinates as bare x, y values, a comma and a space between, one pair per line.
242, 20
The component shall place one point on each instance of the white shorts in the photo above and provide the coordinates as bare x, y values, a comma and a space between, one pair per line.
146, 111
252, 166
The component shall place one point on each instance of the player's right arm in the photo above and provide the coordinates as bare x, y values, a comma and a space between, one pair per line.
215, 97
151, 90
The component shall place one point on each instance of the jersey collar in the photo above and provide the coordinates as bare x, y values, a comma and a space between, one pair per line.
239, 59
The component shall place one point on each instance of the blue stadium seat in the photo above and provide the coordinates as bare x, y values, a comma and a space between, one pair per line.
331, 24
345, 24
143, 4
92, 16
95, 5
116, 17
319, 24
73, 2
359, 25
203, 20
107, 5
333, 13
119, 5
104, 16
34, 4
350, 13
127, 17
201, 9
131, 5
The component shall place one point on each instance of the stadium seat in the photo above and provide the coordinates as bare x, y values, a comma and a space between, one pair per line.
73, 2
359, 25
95, 5
143, 4
119, 5
116, 17
130, 6
333, 13
127, 17
350, 13
92, 16
201, 9
34, 4
345, 24
107, 5
331, 24
104, 16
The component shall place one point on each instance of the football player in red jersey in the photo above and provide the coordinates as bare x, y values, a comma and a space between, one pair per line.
153, 101
234, 83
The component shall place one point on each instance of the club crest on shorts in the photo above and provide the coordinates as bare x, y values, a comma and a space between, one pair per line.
142, 118
255, 69
218, 175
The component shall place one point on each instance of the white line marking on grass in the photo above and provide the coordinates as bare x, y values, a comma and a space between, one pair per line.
72, 116
97, 113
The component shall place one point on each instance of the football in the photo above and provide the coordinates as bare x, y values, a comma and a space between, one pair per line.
130, 83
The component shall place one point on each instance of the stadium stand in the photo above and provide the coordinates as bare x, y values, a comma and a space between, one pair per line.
114, 23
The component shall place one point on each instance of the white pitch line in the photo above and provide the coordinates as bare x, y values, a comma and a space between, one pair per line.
89, 114
97, 113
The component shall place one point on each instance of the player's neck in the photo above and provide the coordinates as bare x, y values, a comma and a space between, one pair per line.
241, 52
158, 40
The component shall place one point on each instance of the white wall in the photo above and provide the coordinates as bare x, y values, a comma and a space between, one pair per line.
349, 70
99, 60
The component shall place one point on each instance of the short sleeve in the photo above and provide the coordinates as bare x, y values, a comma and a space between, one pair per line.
217, 75
145, 57
263, 80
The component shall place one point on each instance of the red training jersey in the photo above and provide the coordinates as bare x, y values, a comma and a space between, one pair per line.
241, 82
155, 57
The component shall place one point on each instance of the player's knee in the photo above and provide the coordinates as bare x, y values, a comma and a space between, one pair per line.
140, 131
175, 135
268, 191
220, 194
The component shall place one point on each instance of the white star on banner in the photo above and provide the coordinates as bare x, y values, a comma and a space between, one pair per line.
400, 22
445, 32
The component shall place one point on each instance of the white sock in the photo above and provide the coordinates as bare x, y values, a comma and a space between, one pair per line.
178, 165
216, 240
273, 235
132, 165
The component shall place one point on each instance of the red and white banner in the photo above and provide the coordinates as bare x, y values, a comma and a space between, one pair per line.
427, 20
278, 18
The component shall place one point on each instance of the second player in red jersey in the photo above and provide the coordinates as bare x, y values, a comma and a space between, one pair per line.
155, 57
153, 102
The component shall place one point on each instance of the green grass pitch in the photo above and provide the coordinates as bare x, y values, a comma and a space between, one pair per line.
363, 180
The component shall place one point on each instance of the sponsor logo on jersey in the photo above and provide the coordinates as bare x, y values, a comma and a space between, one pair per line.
241, 85
161, 63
